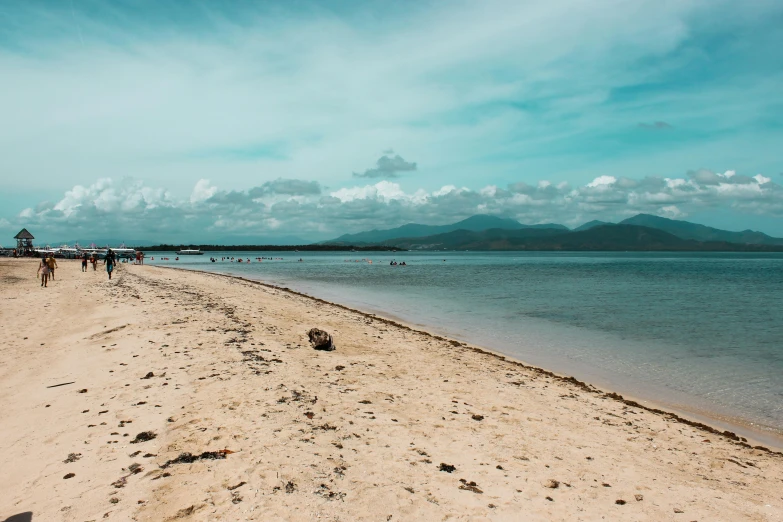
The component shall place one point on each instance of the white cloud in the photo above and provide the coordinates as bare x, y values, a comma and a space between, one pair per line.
202, 191
131, 209
602, 181
671, 212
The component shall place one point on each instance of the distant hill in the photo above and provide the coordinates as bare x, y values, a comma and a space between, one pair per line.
599, 238
687, 230
591, 224
412, 230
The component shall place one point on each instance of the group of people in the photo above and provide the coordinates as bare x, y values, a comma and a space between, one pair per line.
46, 269
395, 263
48, 264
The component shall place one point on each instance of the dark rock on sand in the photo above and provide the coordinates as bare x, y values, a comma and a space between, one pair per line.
448, 468
320, 340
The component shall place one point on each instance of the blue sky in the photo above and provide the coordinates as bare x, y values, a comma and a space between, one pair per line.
187, 121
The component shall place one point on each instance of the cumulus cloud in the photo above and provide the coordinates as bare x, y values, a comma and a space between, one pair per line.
129, 208
387, 166
291, 187
202, 191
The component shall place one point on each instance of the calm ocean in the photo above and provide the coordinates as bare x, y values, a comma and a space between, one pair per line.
699, 332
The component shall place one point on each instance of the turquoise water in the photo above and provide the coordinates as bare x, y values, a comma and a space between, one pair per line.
702, 332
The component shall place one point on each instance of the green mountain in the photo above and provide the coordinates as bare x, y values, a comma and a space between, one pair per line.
412, 230
687, 230
591, 224
599, 238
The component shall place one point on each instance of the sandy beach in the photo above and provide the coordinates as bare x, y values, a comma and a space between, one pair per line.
174, 395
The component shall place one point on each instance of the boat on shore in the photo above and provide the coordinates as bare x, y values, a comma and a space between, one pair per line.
189, 252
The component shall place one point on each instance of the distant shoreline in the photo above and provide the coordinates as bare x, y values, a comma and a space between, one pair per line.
718, 249
269, 248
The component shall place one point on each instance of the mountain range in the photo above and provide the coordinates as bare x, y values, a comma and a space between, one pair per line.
475, 224
609, 237
641, 232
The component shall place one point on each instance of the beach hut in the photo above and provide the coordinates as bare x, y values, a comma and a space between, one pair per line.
24, 242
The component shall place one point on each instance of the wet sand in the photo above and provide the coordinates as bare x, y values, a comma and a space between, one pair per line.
191, 396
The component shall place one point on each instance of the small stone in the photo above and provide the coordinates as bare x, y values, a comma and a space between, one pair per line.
639, 497
620, 502
551, 484
678, 510
69, 475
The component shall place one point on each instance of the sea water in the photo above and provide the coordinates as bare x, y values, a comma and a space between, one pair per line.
696, 331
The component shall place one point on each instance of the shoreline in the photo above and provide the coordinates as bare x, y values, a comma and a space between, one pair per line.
179, 395
747, 437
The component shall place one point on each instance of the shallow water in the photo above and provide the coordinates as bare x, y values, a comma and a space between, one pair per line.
699, 331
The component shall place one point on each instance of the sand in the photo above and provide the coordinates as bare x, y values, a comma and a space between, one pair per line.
394, 425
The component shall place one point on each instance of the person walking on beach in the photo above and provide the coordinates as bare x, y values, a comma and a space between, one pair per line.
94, 262
52, 264
84, 263
43, 270
109, 262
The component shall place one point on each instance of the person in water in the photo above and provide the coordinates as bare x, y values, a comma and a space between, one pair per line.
43, 269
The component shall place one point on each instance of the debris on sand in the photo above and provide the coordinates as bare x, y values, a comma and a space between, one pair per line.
620, 502
551, 484
232, 488
188, 458
290, 487
144, 436
639, 497
477, 417
149, 375
72, 457
69, 475
448, 468
83, 390
470, 486
320, 340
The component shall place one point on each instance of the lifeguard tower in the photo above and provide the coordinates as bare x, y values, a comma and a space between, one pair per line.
24, 243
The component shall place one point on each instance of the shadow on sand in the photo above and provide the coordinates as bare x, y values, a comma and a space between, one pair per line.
27, 516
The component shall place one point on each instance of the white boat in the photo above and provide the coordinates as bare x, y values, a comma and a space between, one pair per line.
189, 252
